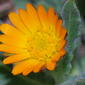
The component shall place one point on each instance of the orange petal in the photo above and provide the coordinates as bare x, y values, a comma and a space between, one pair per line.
43, 16
25, 18
50, 65
16, 21
11, 40
58, 27
62, 52
5, 48
29, 21
60, 45
16, 58
58, 55
19, 68
52, 16
30, 67
8, 29
32, 13
27, 71
38, 67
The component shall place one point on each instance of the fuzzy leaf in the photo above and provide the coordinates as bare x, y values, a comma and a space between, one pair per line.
71, 17
75, 80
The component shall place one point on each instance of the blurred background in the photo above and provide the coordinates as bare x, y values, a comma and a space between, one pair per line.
77, 72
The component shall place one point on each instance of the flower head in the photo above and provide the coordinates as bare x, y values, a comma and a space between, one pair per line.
36, 40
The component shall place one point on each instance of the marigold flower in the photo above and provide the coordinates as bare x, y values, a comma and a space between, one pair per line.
36, 40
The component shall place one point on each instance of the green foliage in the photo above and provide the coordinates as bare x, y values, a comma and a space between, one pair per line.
71, 17
77, 80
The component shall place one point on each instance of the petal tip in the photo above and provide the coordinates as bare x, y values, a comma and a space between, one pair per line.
14, 72
5, 61
29, 5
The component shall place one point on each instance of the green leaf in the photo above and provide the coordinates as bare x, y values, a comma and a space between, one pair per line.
71, 17
75, 80
72, 20
57, 4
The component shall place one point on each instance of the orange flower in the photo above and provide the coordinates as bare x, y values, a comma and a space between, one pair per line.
36, 40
